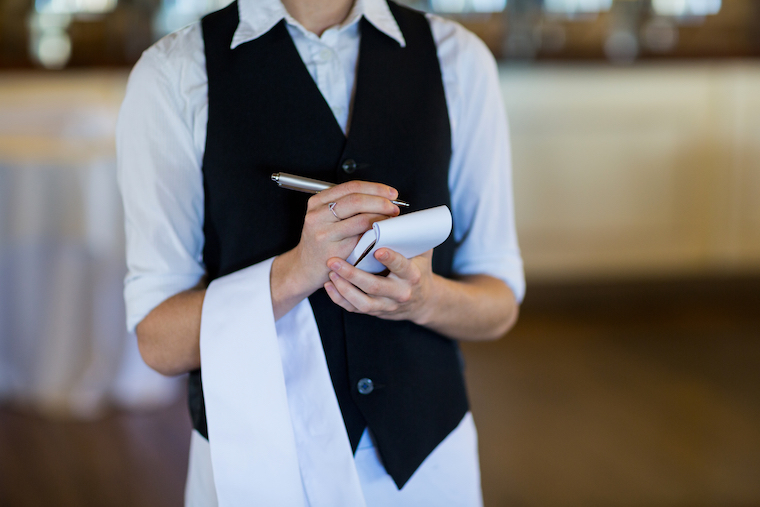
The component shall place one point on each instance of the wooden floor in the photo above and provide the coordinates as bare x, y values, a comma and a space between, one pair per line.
124, 460
636, 394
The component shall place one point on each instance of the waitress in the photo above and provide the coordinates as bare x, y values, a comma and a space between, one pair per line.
227, 271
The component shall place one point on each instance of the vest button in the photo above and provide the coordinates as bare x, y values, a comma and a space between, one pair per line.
349, 166
365, 386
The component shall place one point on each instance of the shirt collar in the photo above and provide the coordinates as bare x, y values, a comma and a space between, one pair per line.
257, 17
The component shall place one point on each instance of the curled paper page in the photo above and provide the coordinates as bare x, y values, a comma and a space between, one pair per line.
410, 235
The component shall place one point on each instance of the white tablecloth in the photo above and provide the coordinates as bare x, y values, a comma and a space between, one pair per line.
64, 348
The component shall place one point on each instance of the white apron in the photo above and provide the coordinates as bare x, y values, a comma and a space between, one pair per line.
276, 432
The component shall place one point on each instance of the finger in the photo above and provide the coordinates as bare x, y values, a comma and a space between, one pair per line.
352, 227
368, 283
338, 298
354, 204
352, 187
399, 265
363, 303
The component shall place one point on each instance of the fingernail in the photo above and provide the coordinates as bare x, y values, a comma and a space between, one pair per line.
383, 255
335, 266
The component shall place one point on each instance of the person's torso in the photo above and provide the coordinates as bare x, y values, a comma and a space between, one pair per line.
266, 114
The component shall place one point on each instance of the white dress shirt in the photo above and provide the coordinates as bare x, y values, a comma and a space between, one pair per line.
161, 137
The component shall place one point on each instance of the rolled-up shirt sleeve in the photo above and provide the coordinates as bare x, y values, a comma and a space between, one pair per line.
159, 174
480, 176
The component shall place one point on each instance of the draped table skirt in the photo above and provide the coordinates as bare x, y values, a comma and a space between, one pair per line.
64, 348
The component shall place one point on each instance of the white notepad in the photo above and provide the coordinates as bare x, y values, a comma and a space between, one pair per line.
410, 235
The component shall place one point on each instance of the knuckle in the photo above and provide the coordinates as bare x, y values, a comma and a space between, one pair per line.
352, 200
313, 202
397, 266
354, 186
405, 296
373, 287
309, 219
366, 222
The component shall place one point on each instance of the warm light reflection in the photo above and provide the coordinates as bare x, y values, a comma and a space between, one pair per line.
660, 34
49, 41
54, 49
686, 7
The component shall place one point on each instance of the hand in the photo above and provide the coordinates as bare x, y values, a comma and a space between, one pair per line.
301, 271
405, 294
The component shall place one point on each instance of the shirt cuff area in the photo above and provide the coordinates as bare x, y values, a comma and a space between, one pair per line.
510, 271
143, 293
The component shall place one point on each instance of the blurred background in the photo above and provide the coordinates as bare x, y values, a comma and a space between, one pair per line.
632, 377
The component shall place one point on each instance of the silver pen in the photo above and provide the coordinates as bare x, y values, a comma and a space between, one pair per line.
311, 186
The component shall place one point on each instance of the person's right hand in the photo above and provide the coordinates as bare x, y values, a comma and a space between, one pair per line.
358, 204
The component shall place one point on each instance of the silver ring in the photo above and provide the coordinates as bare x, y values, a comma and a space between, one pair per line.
332, 208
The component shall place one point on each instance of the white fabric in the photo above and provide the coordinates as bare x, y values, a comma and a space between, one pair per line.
331, 58
64, 350
449, 477
161, 139
324, 450
199, 488
286, 443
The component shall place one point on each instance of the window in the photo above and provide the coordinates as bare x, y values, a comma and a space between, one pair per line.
464, 6
74, 6
571, 8
683, 8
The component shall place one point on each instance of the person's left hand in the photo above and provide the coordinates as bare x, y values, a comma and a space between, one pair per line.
402, 295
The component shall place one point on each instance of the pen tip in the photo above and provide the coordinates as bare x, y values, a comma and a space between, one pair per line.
276, 177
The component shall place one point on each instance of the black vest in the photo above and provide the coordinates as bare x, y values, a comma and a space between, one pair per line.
267, 115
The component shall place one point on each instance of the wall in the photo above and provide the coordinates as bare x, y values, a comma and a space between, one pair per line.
648, 170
